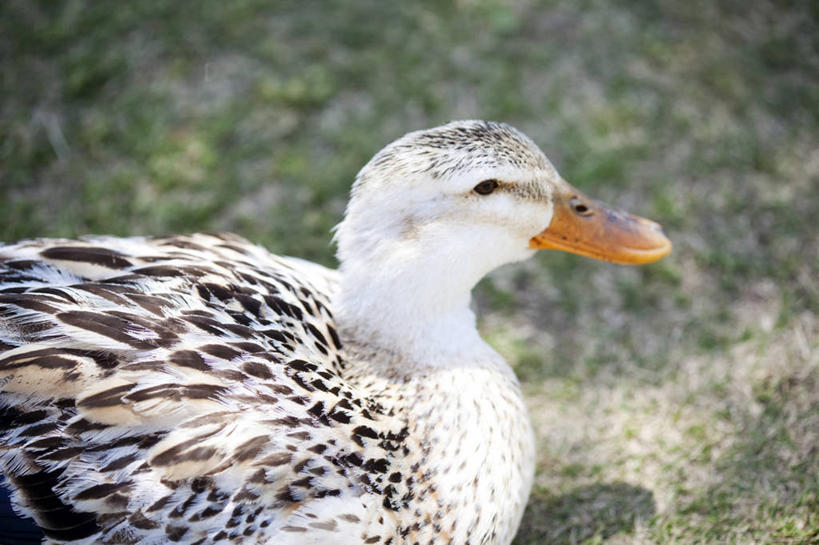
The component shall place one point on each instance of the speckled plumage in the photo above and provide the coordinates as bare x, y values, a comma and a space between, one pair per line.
194, 389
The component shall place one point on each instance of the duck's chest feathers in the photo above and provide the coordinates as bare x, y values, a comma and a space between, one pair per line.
465, 467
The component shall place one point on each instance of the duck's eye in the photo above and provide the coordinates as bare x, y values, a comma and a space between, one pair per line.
486, 187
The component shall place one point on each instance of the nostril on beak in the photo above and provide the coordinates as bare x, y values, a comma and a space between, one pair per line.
579, 207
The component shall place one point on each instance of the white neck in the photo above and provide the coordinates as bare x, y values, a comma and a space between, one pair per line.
397, 312
416, 302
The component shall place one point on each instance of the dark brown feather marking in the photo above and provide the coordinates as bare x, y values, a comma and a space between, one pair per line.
102, 490
28, 302
251, 448
175, 533
106, 360
278, 459
109, 292
120, 463
107, 398
159, 270
181, 453
58, 520
138, 520
47, 358
56, 292
154, 305
257, 369
189, 358
245, 346
94, 255
220, 351
316, 333
107, 325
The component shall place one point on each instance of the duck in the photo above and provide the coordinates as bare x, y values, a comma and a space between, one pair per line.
197, 389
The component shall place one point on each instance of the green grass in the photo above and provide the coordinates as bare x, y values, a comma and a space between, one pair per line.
675, 403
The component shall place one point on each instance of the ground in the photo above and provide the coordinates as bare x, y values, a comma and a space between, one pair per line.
673, 403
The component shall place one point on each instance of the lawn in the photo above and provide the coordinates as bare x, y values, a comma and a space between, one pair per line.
673, 403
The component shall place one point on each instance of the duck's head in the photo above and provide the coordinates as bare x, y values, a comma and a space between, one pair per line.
437, 209
482, 191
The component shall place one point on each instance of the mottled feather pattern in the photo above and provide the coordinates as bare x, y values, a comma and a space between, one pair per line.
181, 389
457, 148
194, 389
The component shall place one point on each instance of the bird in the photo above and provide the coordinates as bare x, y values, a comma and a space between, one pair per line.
197, 389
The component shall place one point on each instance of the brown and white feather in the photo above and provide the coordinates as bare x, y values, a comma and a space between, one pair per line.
167, 387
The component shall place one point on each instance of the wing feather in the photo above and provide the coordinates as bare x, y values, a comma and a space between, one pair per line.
183, 389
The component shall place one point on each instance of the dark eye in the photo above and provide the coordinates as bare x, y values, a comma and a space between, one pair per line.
486, 187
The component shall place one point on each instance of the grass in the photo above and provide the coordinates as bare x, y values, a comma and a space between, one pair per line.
675, 403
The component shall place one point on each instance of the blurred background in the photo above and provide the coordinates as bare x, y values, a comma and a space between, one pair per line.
677, 402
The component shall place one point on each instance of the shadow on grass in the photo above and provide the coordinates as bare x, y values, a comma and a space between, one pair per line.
597, 510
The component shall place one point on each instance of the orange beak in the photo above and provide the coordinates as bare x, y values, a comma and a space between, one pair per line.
583, 226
